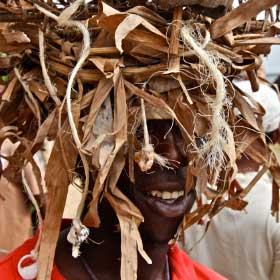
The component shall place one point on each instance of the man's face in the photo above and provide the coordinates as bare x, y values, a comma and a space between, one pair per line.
159, 193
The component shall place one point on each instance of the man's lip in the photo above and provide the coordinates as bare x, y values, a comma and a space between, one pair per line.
170, 208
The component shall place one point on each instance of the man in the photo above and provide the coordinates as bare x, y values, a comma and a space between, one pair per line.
144, 128
245, 245
162, 216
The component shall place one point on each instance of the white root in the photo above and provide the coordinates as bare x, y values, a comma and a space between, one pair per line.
147, 156
32, 198
64, 19
212, 149
51, 88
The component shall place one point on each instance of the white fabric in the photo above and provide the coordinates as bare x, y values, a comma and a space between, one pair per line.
241, 245
269, 100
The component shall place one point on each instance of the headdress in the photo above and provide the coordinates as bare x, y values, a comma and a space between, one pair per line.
88, 75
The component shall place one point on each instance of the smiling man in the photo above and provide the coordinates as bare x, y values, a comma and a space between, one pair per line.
160, 196
149, 127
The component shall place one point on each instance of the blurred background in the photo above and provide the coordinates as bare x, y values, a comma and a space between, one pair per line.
272, 63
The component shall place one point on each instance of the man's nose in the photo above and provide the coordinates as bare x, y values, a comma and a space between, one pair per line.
168, 146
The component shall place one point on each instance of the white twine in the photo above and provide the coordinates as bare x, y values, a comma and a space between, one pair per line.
147, 156
63, 19
213, 148
32, 198
51, 88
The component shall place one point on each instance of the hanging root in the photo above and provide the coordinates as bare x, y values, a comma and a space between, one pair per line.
78, 232
212, 148
51, 88
76, 236
32, 198
147, 156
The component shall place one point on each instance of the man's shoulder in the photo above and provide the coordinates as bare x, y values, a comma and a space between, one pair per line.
183, 266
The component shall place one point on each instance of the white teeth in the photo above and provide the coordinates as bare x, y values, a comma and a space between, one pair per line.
174, 195
167, 195
156, 194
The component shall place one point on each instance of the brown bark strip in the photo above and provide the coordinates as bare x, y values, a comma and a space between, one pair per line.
44, 5
259, 41
174, 59
103, 89
104, 51
237, 16
253, 182
7, 17
57, 192
120, 127
253, 80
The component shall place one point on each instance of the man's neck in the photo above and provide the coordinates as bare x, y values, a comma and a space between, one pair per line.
156, 251
104, 259
158, 270
107, 233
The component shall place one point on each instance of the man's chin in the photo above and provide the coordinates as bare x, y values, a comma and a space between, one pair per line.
161, 217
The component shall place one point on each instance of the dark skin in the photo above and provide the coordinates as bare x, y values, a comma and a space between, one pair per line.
162, 216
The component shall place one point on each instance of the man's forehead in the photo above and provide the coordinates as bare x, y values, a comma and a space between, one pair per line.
160, 126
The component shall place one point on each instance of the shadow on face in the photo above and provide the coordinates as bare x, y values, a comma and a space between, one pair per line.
159, 193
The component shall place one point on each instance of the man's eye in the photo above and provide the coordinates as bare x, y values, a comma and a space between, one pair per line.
200, 141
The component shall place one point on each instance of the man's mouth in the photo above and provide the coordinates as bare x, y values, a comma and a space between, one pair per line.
168, 204
166, 195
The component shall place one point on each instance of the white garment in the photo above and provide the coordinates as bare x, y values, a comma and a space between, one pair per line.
269, 100
241, 245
